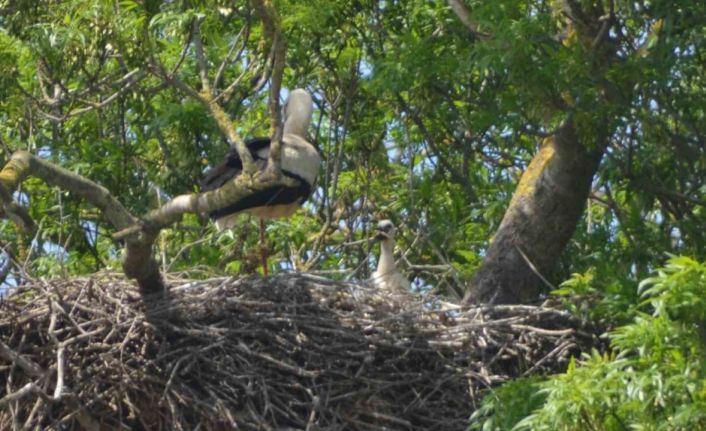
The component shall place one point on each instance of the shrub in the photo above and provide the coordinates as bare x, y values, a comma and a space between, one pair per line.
654, 378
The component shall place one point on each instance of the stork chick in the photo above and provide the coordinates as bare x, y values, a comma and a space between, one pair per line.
387, 277
300, 160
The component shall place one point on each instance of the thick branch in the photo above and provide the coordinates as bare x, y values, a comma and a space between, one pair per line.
9, 179
276, 127
200, 203
540, 220
270, 20
29, 367
23, 164
138, 262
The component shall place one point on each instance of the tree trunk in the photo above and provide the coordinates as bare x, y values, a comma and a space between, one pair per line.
542, 216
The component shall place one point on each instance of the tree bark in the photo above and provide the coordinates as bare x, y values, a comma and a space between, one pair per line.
550, 198
540, 220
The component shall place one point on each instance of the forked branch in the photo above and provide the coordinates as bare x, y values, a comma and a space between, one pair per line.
138, 262
139, 234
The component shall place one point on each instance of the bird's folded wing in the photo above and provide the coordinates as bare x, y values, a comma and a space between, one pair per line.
232, 166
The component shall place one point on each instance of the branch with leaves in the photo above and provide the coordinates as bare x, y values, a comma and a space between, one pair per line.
140, 232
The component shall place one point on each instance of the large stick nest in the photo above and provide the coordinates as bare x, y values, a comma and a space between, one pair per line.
288, 352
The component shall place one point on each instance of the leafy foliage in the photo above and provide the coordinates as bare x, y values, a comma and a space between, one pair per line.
515, 400
419, 121
654, 379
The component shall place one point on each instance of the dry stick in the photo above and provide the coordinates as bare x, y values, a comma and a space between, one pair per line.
29, 388
534, 268
555, 352
59, 388
60, 366
35, 409
30, 368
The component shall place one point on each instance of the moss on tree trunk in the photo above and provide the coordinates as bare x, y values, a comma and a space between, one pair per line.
540, 220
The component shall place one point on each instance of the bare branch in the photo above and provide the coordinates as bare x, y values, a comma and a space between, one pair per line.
455, 174
128, 82
534, 268
29, 388
227, 93
63, 96
230, 59
30, 368
157, 70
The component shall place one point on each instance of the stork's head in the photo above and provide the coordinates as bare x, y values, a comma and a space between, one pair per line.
297, 112
385, 230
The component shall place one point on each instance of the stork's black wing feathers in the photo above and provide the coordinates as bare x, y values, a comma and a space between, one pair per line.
276, 195
232, 165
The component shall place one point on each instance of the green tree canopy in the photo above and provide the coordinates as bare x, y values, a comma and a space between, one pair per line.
427, 113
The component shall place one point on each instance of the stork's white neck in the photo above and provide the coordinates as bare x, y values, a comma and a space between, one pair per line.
387, 259
297, 123
297, 112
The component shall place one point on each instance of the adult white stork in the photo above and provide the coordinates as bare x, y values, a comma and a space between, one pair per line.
387, 277
299, 160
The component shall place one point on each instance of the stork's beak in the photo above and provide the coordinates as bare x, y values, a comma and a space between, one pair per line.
380, 235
